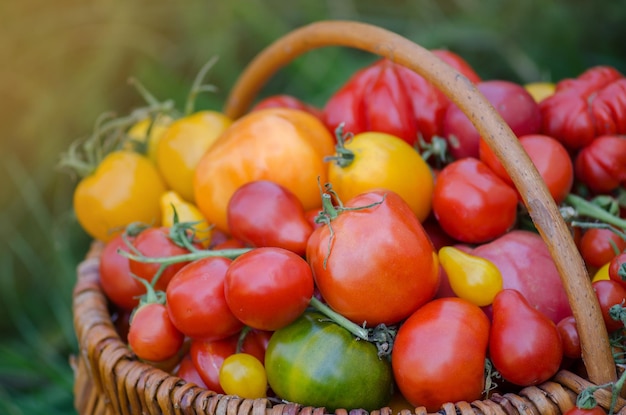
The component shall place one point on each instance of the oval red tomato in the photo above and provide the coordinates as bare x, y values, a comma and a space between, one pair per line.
152, 336
439, 353
268, 288
598, 246
471, 203
115, 276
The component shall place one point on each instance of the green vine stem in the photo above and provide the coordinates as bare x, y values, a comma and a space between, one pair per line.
192, 256
343, 157
585, 208
198, 86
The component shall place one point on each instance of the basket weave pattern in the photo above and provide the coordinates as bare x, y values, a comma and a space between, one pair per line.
110, 380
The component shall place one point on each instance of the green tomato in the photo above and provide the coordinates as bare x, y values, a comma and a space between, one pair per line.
315, 362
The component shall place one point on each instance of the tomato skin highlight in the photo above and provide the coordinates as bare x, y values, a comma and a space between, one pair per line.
196, 301
315, 362
381, 265
439, 353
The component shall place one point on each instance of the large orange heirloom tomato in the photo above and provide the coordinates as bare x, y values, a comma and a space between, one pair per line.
372, 160
283, 145
125, 187
183, 143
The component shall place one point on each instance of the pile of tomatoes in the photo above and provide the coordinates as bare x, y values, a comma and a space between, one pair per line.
369, 253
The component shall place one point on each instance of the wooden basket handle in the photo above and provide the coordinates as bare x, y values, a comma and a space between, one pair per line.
493, 129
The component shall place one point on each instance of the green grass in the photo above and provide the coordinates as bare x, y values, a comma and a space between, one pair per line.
67, 61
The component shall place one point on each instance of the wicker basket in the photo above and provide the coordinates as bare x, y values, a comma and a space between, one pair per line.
110, 380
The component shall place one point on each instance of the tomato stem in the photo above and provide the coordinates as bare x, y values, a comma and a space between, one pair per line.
360, 332
198, 86
586, 208
192, 256
343, 156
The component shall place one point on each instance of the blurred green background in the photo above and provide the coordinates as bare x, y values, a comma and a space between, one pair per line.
63, 63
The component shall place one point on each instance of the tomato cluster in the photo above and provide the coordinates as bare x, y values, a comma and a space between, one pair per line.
343, 256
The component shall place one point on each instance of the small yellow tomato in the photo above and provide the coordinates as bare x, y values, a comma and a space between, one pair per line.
540, 90
186, 212
471, 277
374, 160
125, 187
243, 375
183, 144
147, 133
602, 273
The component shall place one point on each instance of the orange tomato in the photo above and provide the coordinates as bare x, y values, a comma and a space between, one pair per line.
283, 145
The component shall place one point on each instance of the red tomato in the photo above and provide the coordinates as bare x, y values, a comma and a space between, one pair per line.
196, 301
596, 246
617, 269
439, 353
115, 277
596, 410
152, 336
601, 165
255, 343
187, 371
471, 203
156, 243
548, 155
524, 344
373, 262
268, 288
389, 98
609, 293
569, 337
263, 213
208, 356
288, 101
511, 100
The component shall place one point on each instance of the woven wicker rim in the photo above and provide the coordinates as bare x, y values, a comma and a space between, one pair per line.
110, 380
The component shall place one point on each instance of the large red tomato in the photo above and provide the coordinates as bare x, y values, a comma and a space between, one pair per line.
439, 353
373, 262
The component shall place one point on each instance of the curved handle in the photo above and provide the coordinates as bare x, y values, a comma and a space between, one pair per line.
492, 128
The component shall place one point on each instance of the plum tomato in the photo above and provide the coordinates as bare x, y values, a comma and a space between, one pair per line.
196, 301
372, 261
439, 353
115, 277
268, 288
208, 357
617, 268
524, 344
609, 293
598, 246
569, 337
473, 204
263, 213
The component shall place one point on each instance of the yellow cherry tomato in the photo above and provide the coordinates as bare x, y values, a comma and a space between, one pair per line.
186, 212
602, 273
540, 90
378, 160
182, 146
243, 375
125, 187
147, 133
471, 277
283, 145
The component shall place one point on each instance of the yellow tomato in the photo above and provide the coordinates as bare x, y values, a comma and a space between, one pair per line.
377, 160
186, 212
125, 187
471, 277
540, 90
602, 273
148, 132
283, 145
182, 146
243, 375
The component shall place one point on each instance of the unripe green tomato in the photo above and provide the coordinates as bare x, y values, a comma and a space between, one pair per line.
315, 362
